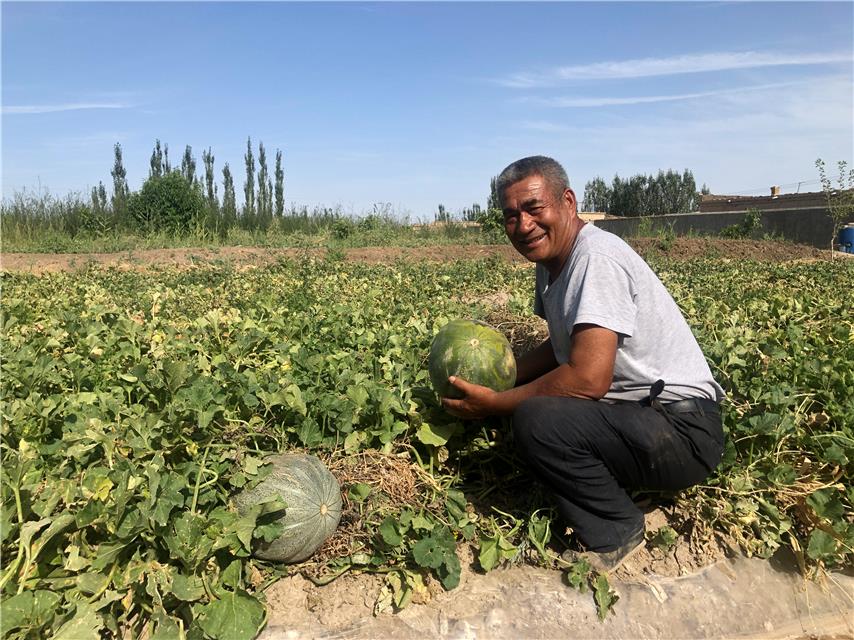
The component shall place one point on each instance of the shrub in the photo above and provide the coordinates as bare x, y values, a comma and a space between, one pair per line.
168, 203
751, 222
492, 221
343, 228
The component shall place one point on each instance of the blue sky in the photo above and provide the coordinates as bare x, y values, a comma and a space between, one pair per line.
416, 104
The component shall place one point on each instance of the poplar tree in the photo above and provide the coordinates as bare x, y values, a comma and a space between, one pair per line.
643, 195
249, 185
120, 183
596, 196
493, 202
262, 184
188, 165
156, 162
229, 206
102, 196
280, 185
166, 166
208, 159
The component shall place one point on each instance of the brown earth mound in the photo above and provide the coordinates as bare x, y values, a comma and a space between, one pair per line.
679, 248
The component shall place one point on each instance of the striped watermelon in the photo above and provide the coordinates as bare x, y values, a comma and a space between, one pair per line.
473, 351
313, 498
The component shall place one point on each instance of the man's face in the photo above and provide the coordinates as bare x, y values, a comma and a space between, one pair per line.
539, 224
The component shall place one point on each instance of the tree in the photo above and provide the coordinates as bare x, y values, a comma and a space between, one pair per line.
596, 196
166, 166
156, 162
493, 202
120, 183
471, 215
208, 159
188, 165
168, 203
840, 200
229, 206
441, 215
249, 185
643, 195
280, 185
263, 202
99, 199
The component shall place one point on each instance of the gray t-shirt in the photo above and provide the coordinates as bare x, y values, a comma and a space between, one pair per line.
604, 282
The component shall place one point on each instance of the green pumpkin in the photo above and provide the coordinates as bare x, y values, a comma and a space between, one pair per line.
313, 498
474, 351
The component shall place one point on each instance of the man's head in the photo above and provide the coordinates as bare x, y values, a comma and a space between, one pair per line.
549, 169
540, 216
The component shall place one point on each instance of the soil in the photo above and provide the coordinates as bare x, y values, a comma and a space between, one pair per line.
679, 249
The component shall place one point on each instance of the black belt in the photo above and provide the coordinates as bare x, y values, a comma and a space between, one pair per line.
692, 405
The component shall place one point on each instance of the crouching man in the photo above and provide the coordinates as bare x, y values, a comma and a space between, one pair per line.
620, 396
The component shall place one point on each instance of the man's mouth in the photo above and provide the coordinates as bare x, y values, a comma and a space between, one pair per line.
533, 240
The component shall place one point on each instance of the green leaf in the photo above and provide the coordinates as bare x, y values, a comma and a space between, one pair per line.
604, 596
488, 554
436, 434
187, 588
359, 491
389, 532
429, 552
827, 503
539, 532
188, 542
664, 538
821, 545
355, 441
92, 582
167, 627
835, 455
108, 553
233, 574
235, 616
28, 609
421, 523
85, 625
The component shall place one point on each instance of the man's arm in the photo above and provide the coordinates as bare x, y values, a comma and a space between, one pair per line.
535, 363
587, 374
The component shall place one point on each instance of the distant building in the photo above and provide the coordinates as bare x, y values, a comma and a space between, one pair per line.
774, 202
590, 216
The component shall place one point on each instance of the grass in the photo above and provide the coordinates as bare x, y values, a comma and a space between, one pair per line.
40, 223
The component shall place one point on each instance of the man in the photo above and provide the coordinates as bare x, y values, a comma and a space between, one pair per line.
620, 396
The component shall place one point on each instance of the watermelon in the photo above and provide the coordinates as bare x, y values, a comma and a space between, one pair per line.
473, 351
313, 498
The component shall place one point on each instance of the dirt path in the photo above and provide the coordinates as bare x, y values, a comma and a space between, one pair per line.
681, 248
735, 598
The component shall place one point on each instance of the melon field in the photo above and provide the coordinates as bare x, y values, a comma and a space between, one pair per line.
136, 403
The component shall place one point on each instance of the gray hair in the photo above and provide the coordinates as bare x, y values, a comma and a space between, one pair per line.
548, 168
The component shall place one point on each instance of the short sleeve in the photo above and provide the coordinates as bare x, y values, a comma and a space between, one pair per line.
539, 307
605, 294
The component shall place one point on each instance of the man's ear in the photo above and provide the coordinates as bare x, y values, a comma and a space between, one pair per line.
569, 198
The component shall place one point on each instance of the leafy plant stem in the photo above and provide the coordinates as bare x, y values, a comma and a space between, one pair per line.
199, 480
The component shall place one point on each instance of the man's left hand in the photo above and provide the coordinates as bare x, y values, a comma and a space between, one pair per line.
478, 401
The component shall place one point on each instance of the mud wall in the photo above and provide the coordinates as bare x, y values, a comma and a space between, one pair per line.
811, 226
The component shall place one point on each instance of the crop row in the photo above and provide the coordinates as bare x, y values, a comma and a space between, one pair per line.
135, 404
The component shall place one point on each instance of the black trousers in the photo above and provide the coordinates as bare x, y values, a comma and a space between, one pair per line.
590, 453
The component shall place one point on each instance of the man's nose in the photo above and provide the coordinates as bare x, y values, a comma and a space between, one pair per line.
526, 222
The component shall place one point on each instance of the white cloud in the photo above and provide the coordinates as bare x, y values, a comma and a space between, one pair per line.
646, 67
55, 108
565, 102
735, 142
